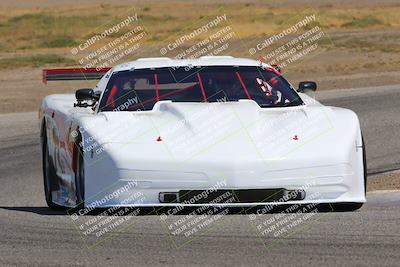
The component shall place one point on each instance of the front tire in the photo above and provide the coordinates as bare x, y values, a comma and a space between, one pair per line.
49, 173
79, 176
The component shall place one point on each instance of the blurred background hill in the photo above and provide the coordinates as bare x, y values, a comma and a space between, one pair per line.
363, 48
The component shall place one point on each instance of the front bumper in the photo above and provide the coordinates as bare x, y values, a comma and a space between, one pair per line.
323, 184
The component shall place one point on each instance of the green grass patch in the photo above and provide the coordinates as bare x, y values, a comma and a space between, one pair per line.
363, 22
36, 18
59, 28
34, 61
367, 46
2, 47
153, 19
59, 41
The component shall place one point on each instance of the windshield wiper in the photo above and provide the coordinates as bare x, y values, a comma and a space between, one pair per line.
296, 102
269, 105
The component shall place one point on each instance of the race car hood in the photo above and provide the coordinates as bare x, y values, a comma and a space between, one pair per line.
227, 135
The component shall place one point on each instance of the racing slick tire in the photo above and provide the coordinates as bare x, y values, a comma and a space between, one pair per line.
49, 173
79, 175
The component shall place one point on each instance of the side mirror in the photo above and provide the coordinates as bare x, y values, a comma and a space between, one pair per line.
85, 94
307, 85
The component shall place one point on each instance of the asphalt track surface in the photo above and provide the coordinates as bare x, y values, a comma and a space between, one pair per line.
31, 234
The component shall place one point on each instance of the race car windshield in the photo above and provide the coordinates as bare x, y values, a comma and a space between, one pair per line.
141, 89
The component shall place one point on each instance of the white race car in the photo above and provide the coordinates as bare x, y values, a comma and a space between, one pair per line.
160, 132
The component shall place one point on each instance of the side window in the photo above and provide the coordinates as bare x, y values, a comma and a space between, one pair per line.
129, 91
101, 85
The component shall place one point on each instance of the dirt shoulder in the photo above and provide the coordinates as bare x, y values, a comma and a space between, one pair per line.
389, 181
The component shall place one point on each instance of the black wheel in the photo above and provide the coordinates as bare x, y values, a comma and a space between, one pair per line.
49, 173
79, 176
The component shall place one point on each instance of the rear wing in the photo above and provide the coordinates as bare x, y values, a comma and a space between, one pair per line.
69, 74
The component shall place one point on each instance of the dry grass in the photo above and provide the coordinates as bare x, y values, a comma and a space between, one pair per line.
35, 29
35, 61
